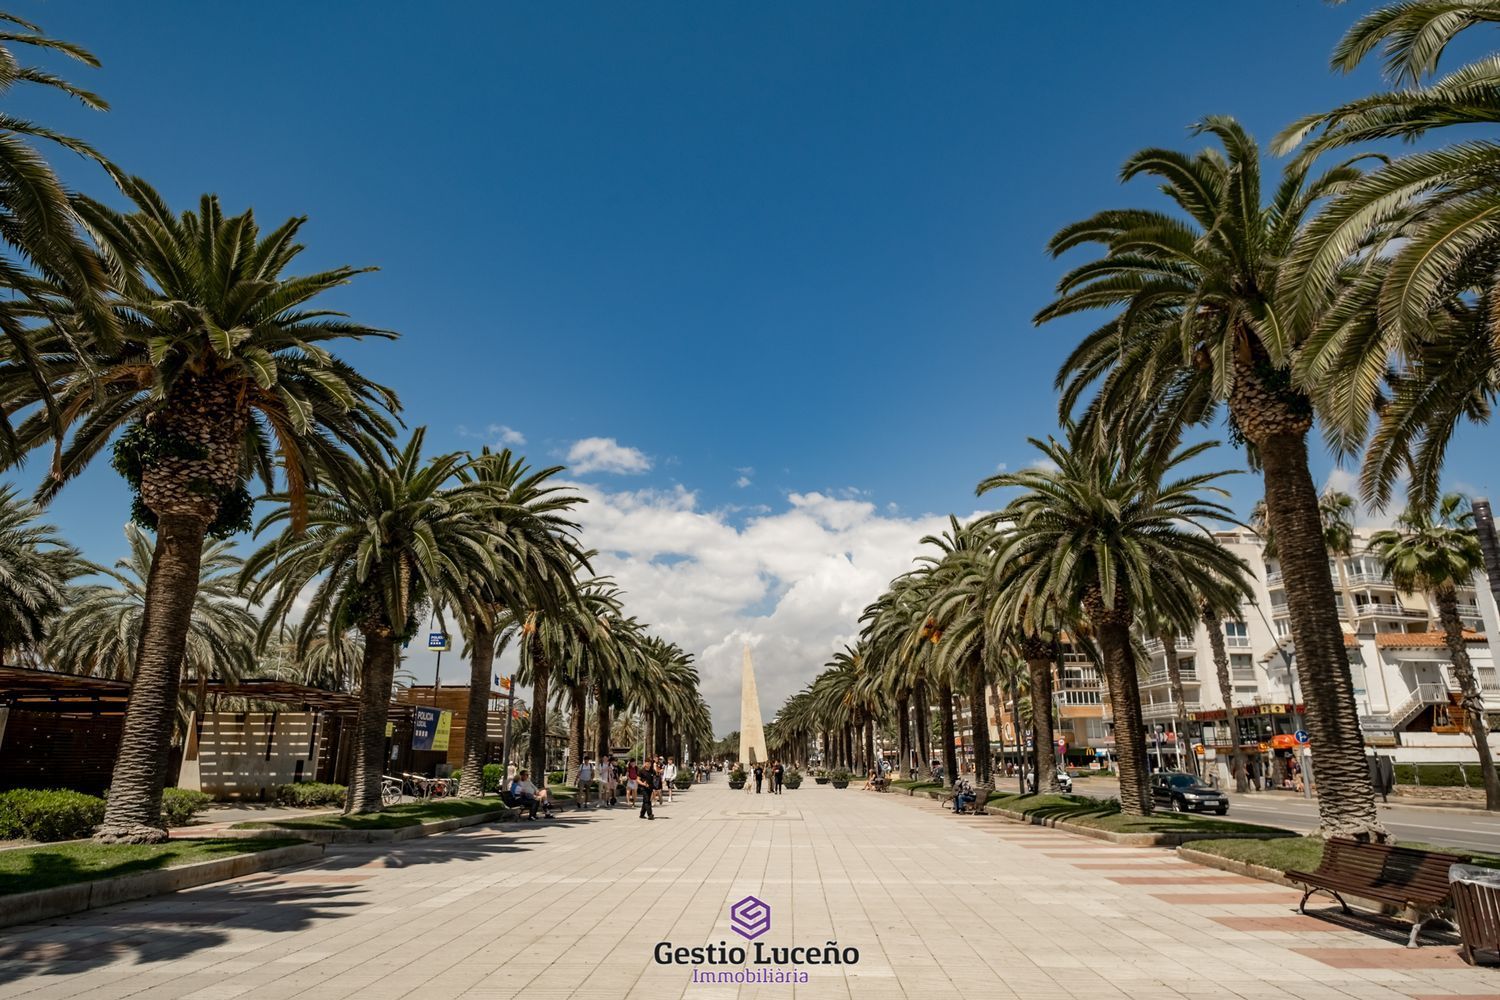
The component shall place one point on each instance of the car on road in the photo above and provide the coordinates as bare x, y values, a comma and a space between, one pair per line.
1186, 793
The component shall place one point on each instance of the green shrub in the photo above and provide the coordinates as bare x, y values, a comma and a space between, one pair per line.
492, 776
1440, 775
555, 777
311, 793
180, 805
840, 778
684, 779
48, 815
792, 779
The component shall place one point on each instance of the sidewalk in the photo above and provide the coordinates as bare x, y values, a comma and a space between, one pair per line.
937, 906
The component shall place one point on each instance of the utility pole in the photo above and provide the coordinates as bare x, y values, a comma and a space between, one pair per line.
510, 710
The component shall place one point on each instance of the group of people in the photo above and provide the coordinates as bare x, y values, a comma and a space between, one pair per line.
773, 770
648, 781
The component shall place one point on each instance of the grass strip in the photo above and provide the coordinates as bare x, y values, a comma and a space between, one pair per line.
390, 818
46, 866
1305, 853
1105, 815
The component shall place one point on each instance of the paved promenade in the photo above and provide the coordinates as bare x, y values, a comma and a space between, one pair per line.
938, 906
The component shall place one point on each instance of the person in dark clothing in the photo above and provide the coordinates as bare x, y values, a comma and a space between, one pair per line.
760, 775
777, 774
649, 781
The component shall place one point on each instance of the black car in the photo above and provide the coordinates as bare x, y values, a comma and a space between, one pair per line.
1185, 793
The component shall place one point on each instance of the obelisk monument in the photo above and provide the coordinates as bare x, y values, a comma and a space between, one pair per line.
752, 734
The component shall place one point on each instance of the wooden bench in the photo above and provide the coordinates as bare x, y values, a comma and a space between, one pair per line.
1478, 909
1399, 876
981, 796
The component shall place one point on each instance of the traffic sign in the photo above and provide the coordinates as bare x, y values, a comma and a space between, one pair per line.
1301, 736
439, 641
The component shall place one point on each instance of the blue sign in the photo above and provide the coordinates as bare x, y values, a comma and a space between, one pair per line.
424, 726
438, 641
1300, 736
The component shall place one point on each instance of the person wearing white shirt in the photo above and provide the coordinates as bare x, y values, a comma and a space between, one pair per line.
669, 777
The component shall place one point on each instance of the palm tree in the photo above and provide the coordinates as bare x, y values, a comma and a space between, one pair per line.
394, 538
35, 567
1429, 216
98, 634
45, 265
535, 551
218, 373
1202, 321
1437, 553
1098, 528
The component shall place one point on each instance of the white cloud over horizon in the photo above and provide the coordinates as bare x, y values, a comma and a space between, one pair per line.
601, 454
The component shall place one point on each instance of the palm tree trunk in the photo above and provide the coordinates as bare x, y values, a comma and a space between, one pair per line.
903, 734
923, 725
1179, 702
1038, 654
378, 671
1473, 701
603, 719
477, 721
945, 718
1013, 699
1125, 698
979, 719
870, 739
578, 706
541, 677
1215, 626
133, 814
1346, 799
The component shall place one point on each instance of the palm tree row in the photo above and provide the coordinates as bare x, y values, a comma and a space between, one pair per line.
185, 344
1356, 295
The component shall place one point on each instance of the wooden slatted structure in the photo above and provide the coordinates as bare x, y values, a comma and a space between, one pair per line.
1478, 908
1399, 876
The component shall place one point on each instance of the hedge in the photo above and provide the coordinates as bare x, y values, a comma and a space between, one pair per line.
1440, 775
180, 805
311, 793
48, 814
493, 774
556, 777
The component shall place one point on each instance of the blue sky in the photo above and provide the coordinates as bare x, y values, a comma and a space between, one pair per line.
795, 247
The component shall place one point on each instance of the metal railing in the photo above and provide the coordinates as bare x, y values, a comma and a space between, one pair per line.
1162, 677
1387, 610
1167, 710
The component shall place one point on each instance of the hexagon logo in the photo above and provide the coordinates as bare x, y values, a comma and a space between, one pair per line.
750, 918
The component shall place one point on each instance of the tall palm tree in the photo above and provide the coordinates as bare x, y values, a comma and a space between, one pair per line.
1436, 553
36, 565
394, 538
535, 549
218, 373
1429, 215
1202, 320
98, 633
1102, 528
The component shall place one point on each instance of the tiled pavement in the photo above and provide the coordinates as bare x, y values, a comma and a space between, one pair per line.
938, 906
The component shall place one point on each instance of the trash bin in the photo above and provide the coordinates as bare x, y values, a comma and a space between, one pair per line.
1476, 900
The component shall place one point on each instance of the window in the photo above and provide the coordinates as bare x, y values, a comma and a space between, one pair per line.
1236, 634
1095, 729
1242, 666
1246, 689
1283, 628
1081, 697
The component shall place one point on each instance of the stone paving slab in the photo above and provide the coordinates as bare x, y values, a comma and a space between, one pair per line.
937, 905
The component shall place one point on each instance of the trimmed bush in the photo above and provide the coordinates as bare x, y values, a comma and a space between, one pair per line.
1440, 775
180, 805
840, 778
792, 779
48, 814
555, 777
492, 776
311, 793
684, 779
737, 778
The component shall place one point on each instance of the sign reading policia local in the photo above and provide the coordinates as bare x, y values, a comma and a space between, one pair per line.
430, 728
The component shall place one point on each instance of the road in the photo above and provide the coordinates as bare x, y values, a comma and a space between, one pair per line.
1471, 830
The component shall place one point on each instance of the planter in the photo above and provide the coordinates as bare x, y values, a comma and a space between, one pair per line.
736, 784
841, 784
683, 783
821, 779
791, 783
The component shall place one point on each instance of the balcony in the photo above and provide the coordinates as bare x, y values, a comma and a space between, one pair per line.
1237, 641
1273, 578
1189, 676
1386, 611
1166, 710
1366, 579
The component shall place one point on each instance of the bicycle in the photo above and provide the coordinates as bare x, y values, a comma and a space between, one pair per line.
391, 790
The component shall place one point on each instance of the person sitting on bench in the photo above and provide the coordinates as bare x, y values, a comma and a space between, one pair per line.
524, 792
963, 797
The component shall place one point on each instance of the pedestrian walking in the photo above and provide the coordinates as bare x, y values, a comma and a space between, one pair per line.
669, 779
585, 780
760, 776
607, 782
646, 780
777, 774
632, 781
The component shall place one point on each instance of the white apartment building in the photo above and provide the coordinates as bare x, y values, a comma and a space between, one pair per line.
1403, 679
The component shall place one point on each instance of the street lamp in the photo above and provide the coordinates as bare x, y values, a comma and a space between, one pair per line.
1304, 754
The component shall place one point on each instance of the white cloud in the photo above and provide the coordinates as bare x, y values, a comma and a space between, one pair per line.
599, 454
791, 582
1345, 481
742, 482
507, 436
